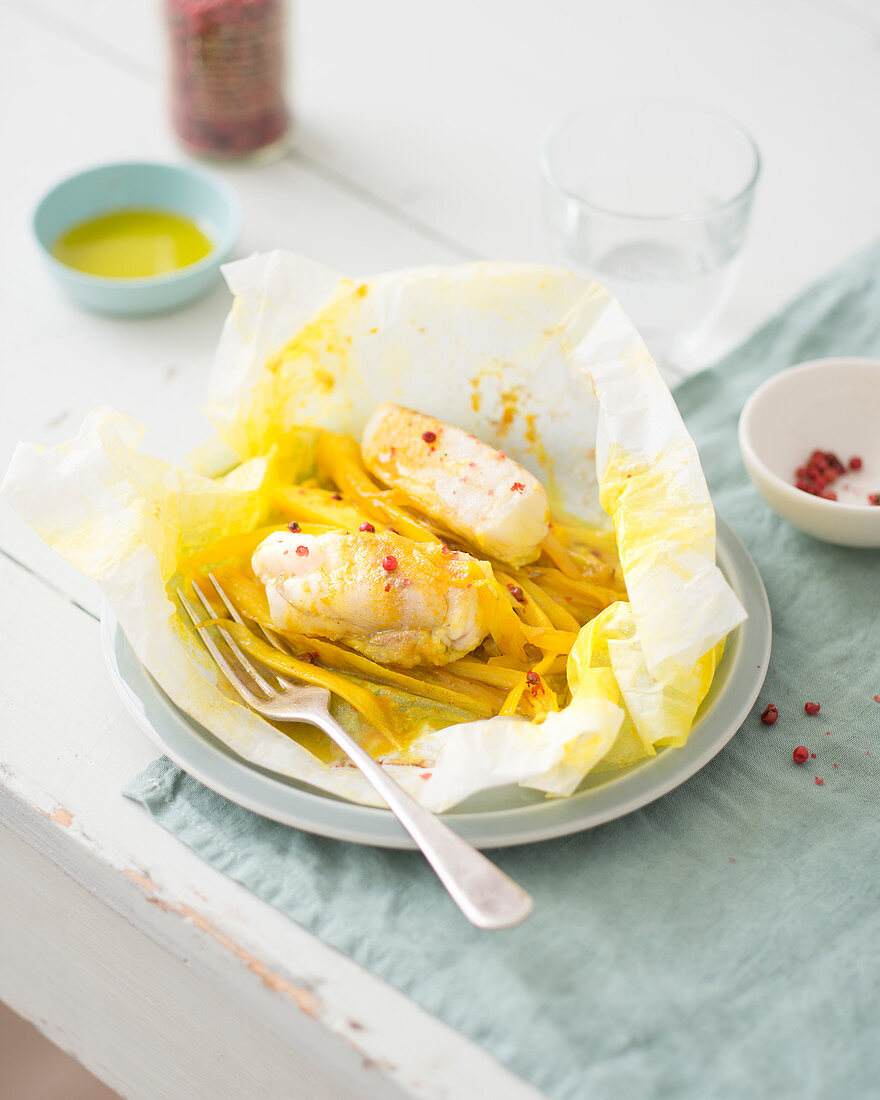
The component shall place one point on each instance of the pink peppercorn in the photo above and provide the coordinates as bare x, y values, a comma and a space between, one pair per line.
821, 469
517, 593
812, 708
801, 754
389, 563
302, 551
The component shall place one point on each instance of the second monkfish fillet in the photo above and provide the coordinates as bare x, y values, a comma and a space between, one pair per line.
391, 599
465, 484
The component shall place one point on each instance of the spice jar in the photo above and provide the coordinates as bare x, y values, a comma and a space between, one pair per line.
228, 76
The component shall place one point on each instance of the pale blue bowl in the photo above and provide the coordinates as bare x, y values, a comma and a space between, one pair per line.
198, 195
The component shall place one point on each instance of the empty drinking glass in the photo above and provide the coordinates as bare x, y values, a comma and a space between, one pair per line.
653, 198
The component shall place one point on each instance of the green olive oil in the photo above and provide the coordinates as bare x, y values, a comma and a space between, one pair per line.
132, 244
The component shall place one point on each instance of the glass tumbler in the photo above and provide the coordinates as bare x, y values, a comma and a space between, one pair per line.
653, 199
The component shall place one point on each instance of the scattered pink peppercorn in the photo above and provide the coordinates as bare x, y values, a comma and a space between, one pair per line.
812, 708
293, 526
336, 496
368, 527
874, 498
855, 463
302, 551
517, 593
389, 563
533, 677
517, 487
820, 782
429, 437
309, 658
770, 714
800, 754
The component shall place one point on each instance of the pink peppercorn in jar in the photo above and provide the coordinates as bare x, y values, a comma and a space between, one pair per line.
228, 76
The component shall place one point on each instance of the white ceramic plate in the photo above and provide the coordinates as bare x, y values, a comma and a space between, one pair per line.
493, 819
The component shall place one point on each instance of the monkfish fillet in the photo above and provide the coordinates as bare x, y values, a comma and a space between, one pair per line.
394, 600
464, 484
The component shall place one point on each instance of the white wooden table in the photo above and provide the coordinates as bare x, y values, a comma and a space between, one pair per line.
420, 130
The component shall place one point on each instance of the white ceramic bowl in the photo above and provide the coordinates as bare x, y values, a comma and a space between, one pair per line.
830, 404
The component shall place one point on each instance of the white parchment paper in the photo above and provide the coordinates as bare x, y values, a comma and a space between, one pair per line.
533, 360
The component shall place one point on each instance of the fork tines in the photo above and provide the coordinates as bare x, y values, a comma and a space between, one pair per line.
245, 678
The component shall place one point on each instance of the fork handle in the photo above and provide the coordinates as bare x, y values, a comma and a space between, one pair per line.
488, 897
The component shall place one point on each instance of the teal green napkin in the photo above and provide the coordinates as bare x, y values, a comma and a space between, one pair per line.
725, 940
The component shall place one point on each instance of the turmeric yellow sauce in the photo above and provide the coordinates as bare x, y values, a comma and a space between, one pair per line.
534, 613
132, 244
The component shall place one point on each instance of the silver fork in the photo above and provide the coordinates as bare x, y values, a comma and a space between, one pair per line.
488, 897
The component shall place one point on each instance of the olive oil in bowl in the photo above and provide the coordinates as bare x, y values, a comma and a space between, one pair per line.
129, 239
132, 244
